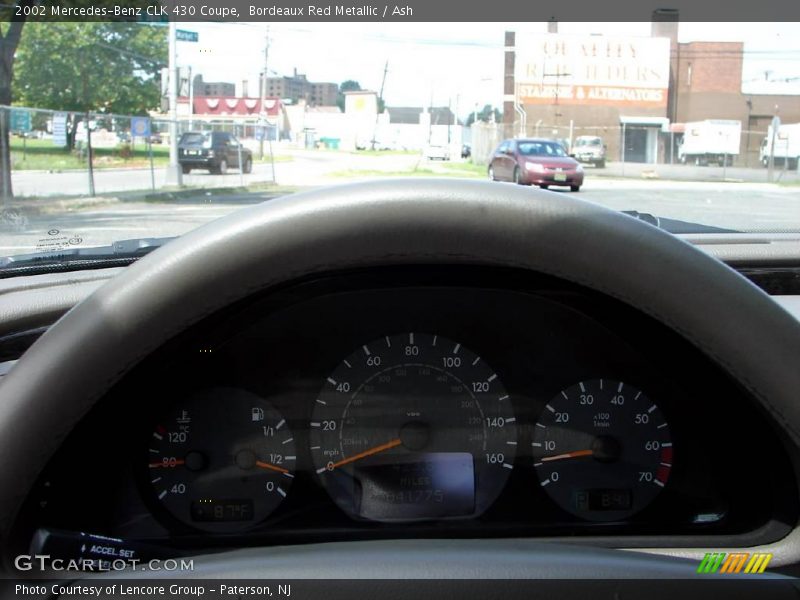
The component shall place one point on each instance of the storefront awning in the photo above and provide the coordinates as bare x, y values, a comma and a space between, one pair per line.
660, 122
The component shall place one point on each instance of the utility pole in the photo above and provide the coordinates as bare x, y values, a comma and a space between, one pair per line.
449, 113
776, 124
191, 100
263, 115
749, 121
380, 100
174, 169
558, 75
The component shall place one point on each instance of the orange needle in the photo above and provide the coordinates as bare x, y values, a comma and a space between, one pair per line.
264, 465
364, 454
575, 454
175, 463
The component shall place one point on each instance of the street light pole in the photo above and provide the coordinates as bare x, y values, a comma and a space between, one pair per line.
191, 100
174, 169
263, 90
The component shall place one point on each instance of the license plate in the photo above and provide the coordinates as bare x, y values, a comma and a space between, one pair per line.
560, 177
192, 152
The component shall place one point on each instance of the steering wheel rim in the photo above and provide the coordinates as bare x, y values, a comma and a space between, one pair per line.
391, 222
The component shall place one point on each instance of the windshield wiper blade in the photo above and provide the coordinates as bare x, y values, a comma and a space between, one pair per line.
119, 253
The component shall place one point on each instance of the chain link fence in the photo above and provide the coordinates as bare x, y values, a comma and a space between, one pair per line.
70, 153
644, 146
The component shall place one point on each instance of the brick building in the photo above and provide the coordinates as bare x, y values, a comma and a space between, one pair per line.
709, 86
640, 117
298, 87
212, 88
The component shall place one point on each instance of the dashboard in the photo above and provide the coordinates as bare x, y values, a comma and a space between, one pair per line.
413, 402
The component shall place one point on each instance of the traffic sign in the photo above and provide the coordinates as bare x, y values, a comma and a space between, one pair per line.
60, 129
182, 35
20, 120
140, 127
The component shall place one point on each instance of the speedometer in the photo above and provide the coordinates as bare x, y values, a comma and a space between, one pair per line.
412, 427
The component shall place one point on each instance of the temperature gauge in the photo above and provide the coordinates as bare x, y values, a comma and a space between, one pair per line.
222, 460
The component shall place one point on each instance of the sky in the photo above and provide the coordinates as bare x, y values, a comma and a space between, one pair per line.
456, 63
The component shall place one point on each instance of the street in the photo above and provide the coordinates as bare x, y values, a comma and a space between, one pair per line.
738, 206
321, 167
303, 168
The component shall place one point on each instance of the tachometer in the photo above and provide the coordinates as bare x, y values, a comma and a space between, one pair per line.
602, 450
221, 460
411, 427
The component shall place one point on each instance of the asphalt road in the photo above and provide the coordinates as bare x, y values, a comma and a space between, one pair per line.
319, 167
305, 168
738, 206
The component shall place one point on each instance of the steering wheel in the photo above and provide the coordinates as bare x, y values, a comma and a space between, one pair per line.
396, 222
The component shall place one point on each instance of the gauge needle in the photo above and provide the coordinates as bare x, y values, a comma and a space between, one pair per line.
264, 465
575, 454
174, 463
364, 454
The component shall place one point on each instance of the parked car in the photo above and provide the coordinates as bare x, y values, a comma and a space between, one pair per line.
437, 152
155, 138
787, 146
535, 161
213, 150
590, 149
564, 143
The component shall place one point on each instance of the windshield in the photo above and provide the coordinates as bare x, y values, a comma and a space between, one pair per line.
106, 126
541, 149
195, 139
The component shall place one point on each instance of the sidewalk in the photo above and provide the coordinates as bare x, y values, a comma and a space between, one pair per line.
187, 195
692, 173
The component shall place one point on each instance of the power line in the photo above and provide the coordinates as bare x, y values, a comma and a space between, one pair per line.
140, 57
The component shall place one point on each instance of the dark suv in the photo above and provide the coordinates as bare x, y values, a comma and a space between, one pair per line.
213, 150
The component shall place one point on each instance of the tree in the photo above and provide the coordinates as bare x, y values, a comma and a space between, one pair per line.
106, 67
346, 86
9, 41
487, 114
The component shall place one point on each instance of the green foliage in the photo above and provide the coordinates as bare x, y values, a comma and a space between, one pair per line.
487, 114
97, 66
346, 86
349, 86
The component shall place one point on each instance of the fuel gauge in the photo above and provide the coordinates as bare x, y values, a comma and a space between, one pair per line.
222, 460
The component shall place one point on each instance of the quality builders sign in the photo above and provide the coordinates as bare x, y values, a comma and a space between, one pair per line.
595, 70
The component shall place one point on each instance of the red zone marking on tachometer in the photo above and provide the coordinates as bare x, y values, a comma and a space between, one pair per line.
662, 474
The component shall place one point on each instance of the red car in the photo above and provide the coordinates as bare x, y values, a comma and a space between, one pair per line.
535, 162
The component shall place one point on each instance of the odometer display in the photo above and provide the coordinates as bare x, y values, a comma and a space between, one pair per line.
602, 450
412, 427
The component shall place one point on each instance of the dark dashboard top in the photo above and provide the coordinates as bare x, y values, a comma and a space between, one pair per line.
541, 345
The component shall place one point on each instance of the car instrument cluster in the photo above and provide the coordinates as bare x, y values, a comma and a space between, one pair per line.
468, 405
